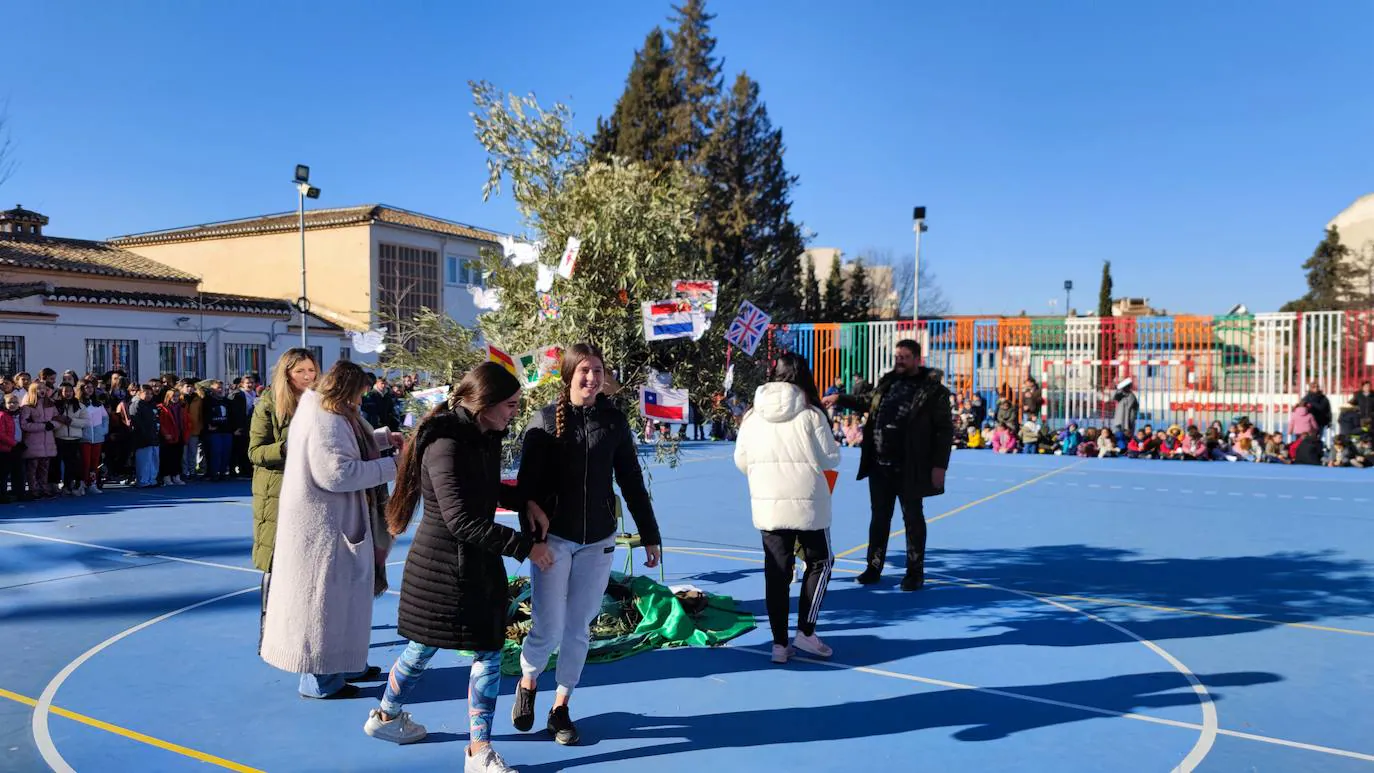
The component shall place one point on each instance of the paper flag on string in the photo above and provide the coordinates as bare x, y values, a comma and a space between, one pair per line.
568, 263
549, 307
701, 293
519, 253
729, 379
501, 358
368, 342
544, 282
748, 328
535, 366
666, 320
486, 299
663, 404
701, 322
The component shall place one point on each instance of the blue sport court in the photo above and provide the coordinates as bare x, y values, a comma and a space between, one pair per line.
1082, 615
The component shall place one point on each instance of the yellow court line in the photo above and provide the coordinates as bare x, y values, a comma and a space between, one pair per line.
1070, 597
974, 503
133, 734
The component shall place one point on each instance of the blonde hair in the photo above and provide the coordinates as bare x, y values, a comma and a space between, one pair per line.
31, 398
341, 388
284, 397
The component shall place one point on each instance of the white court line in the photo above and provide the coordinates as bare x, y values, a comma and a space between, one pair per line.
128, 552
41, 735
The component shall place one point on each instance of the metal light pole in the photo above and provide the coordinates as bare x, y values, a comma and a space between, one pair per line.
305, 191
1068, 293
918, 217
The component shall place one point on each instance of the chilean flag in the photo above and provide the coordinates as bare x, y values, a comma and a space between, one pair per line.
663, 404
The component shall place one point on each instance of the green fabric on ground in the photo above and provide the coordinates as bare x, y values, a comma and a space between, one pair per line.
663, 623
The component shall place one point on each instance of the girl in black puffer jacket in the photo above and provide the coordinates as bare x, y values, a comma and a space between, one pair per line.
454, 592
571, 451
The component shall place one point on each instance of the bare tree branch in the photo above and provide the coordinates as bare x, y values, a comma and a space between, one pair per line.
933, 300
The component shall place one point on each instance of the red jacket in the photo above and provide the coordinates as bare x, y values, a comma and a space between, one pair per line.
172, 424
7, 423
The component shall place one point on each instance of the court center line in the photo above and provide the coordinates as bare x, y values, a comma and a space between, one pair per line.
131, 734
130, 552
1063, 704
43, 706
974, 503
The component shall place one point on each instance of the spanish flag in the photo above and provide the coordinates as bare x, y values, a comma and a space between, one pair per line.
501, 358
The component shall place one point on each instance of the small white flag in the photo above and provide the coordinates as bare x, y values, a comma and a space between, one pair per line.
544, 283
486, 299
368, 342
519, 253
729, 378
569, 261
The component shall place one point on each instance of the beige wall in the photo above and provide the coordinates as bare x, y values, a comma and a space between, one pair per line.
338, 264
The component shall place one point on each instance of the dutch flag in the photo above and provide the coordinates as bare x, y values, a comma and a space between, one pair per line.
666, 320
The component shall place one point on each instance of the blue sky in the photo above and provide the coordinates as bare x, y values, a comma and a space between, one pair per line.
1201, 147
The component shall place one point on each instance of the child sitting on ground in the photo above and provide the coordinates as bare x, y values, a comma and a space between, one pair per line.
1087, 447
1364, 452
1002, 441
1275, 452
1069, 440
1340, 454
1030, 436
1136, 447
1049, 441
974, 438
1106, 446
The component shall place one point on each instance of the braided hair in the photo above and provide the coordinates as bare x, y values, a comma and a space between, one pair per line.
572, 357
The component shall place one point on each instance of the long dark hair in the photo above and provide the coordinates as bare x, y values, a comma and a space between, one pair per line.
572, 357
792, 369
486, 385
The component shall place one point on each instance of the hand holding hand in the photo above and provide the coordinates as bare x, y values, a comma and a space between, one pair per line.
655, 555
539, 520
398, 440
541, 556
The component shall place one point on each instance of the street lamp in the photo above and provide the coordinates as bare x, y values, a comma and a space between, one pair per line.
918, 217
1068, 293
305, 191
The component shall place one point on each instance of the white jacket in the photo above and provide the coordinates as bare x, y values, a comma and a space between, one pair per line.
72, 431
784, 446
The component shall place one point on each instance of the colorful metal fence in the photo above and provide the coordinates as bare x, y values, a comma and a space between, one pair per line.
1186, 369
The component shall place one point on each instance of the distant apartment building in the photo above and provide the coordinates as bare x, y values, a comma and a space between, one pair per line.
880, 278
1356, 226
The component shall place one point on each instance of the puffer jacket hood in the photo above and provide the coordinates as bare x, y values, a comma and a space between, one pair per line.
778, 402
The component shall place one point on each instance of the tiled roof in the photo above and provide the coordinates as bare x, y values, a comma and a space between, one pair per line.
209, 302
83, 257
314, 219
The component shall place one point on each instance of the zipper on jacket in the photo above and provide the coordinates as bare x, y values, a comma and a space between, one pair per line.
586, 463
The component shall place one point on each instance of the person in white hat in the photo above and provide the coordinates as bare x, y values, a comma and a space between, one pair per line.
1123, 418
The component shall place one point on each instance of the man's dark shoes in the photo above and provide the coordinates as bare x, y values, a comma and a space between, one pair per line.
372, 674
561, 726
913, 582
522, 713
869, 576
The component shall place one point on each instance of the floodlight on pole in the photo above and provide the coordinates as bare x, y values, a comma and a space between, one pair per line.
1068, 293
918, 217
304, 190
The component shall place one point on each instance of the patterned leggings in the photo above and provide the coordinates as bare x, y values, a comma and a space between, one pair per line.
484, 684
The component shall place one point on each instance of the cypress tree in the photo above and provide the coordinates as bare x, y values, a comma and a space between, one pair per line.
834, 307
1104, 293
696, 74
811, 308
640, 128
859, 300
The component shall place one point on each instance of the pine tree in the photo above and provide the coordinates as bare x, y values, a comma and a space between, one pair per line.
697, 76
833, 305
1329, 277
1104, 293
641, 128
859, 294
811, 308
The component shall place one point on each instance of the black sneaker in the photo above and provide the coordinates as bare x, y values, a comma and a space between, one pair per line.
869, 576
522, 713
913, 582
561, 726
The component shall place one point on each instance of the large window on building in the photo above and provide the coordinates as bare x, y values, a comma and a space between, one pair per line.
11, 355
462, 271
184, 358
318, 351
106, 354
240, 359
408, 280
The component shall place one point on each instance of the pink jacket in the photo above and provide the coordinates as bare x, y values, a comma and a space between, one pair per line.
1301, 421
1002, 441
38, 440
7, 424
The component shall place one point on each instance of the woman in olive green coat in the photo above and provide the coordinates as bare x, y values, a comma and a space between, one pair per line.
294, 373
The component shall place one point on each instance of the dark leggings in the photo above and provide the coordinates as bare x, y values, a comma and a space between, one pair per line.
69, 457
779, 549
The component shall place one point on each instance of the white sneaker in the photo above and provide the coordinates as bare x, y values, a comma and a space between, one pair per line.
176, 479
485, 761
94, 490
79, 491
400, 730
781, 653
812, 645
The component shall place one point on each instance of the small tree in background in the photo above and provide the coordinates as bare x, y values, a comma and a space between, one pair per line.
859, 294
1104, 292
1331, 274
833, 304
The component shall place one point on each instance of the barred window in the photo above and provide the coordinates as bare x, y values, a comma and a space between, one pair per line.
318, 351
106, 354
11, 355
183, 358
240, 359
345, 354
407, 280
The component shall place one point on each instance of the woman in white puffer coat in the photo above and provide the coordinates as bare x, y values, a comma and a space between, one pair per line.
785, 447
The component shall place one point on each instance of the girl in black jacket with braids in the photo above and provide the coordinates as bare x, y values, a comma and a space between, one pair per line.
571, 451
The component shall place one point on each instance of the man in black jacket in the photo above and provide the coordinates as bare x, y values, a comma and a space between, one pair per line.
241, 404
379, 407
1318, 403
905, 452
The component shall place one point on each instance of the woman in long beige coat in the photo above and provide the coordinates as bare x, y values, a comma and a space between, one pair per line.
331, 538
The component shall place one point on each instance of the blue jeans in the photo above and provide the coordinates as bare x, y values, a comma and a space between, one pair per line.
146, 465
220, 447
1030, 448
188, 457
325, 685
566, 598
484, 684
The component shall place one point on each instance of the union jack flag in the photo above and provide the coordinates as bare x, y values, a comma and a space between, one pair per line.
748, 328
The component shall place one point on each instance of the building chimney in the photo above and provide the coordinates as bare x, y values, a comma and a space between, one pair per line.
22, 222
